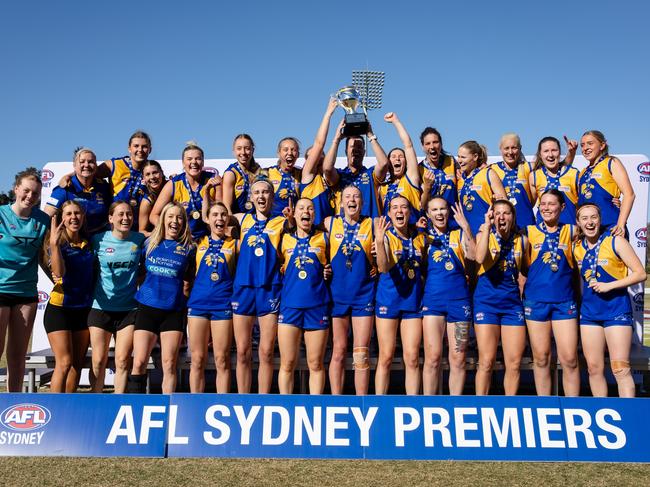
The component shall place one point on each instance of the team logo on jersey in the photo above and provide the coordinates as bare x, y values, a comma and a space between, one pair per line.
641, 234
644, 168
43, 297
25, 417
46, 175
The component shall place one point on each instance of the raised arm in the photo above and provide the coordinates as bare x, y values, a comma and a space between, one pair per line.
483, 237
164, 197
329, 171
412, 170
381, 245
57, 266
311, 162
468, 241
533, 189
571, 148
496, 185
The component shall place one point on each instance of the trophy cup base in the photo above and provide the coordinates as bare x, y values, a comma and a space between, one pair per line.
356, 124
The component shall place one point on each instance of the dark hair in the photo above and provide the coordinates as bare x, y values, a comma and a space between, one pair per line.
29, 173
476, 149
140, 134
509, 204
243, 136
601, 138
292, 139
436, 197
434, 131
537, 161
554, 192
354, 137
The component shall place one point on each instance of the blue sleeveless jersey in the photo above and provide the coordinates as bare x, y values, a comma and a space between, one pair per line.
285, 186
543, 284
95, 201
320, 195
401, 287
75, 288
215, 273
166, 266
566, 181
21, 240
258, 262
606, 266
516, 183
475, 195
497, 287
118, 263
352, 283
192, 201
303, 285
597, 185
445, 279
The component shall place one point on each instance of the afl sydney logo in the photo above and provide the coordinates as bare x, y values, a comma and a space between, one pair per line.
46, 175
644, 168
25, 417
641, 234
43, 297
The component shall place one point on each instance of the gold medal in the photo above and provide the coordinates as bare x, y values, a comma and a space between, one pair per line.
259, 251
248, 206
469, 206
554, 266
348, 264
214, 276
133, 202
449, 265
411, 274
513, 201
302, 275
196, 214
592, 281
588, 195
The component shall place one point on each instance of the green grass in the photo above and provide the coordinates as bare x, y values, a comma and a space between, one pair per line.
180, 472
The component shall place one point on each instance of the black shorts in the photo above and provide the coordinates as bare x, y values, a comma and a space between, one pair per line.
112, 321
14, 299
59, 318
158, 320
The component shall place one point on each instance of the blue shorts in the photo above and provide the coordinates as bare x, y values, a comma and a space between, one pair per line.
316, 318
624, 319
212, 314
537, 311
256, 301
454, 310
343, 310
389, 313
505, 318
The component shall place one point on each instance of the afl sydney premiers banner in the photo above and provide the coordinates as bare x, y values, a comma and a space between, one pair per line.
344, 427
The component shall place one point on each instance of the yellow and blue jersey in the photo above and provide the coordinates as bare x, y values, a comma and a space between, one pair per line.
352, 262
401, 287
602, 263
166, 266
21, 240
475, 194
363, 180
303, 284
126, 182
543, 284
445, 182
286, 186
95, 201
242, 187
445, 278
215, 264
75, 288
597, 185
192, 201
320, 195
517, 186
497, 286
399, 187
258, 262
567, 182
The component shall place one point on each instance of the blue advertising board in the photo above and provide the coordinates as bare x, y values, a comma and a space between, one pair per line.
81, 424
345, 427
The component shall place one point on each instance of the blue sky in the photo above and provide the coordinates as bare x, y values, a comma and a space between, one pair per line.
89, 73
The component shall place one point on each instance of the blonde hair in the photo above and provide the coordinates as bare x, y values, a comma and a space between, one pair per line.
158, 233
476, 149
64, 237
512, 135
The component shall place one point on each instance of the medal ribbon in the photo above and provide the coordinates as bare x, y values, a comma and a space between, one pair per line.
586, 179
244, 175
507, 252
195, 196
135, 179
302, 246
259, 227
509, 179
287, 182
552, 182
350, 233
592, 256
214, 247
467, 185
552, 240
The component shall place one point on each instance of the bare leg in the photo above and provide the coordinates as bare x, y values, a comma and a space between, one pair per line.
198, 336
123, 350
361, 334
221, 343
411, 339
61, 345
566, 341
21, 322
268, 333
386, 336
433, 331
593, 347
170, 342
487, 338
315, 342
243, 328
80, 340
457, 336
100, 341
289, 343
619, 339
513, 341
540, 342
340, 326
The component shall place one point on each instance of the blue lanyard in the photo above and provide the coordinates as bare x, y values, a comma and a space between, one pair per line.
586, 176
287, 182
507, 253
552, 182
135, 179
408, 257
214, 248
509, 178
244, 176
259, 227
467, 184
350, 233
552, 240
302, 247
592, 258
195, 196
391, 192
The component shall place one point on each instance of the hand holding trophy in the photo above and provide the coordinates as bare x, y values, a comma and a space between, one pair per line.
364, 93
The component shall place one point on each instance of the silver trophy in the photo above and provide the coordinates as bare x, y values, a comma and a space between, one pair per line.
365, 93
